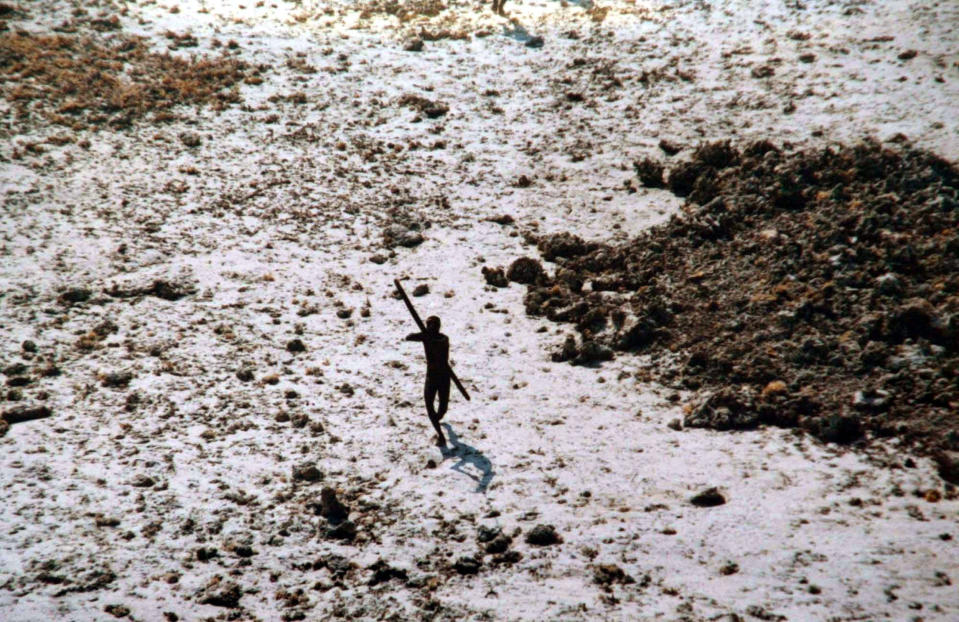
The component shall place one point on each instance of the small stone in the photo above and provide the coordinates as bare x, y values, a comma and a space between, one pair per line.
344, 314
502, 219
205, 554
306, 472
190, 139
669, 147
330, 507
675, 424
343, 531
421, 290
116, 379
383, 572
525, 270
729, 568
607, 574
28, 346
907, 54
495, 277
75, 295
889, 284
535, 42
841, 429
508, 558
142, 481
117, 611
650, 172
485, 533
774, 389
499, 544
221, 594
243, 550
295, 346
414, 45
378, 259
708, 498
467, 565
245, 374
872, 400
543, 535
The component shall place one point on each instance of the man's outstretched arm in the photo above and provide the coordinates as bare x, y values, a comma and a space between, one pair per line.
414, 337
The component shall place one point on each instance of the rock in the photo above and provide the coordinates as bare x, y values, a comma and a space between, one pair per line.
593, 352
499, 544
117, 611
535, 42
763, 71
669, 147
508, 558
947, 463
15, 369
28, 346
421, 290
205, 554
190, 139
414, 45
485, 533
330, 507
245, 374
608, 574
75, 295
871, 400
773, 389
682, 178
4, 427
342, 531
675, 424
221, 594
840, 429
19, 414
383, 572
467, 565
724, 410
567, 352
729, 568
719, 154
565, 245
242, 550
428, 108
295, 346
907, 54
116, 379
142, 481
525, 270
495, 277
344, 313
543, 535
378, 258
502, 219
708, 498
889, 284
398, 235
154, 281
650, 172
306, 472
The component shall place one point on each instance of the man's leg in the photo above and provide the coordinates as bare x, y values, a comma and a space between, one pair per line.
430, 394
444, 392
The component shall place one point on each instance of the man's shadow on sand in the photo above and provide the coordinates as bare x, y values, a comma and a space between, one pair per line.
468, 456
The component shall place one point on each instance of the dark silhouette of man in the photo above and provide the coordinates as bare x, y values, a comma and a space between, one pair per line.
437, 346
498, 7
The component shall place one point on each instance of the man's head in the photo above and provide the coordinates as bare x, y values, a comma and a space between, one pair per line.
432, 324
